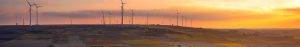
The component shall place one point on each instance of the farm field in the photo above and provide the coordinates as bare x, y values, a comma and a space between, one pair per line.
144, 36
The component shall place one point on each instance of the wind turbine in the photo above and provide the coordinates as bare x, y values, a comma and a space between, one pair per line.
37, 6
23, 20
170, 21
147, 18
110, 14
132, 13
191, 22
103, 17
177, 17
99, 18
162, 20
30, 13
186, 21
122, 9
182, 20
71, 20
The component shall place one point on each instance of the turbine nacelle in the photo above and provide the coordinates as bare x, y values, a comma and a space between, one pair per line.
37, 5
29, 3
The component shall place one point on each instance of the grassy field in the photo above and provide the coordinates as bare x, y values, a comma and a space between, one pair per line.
145, 36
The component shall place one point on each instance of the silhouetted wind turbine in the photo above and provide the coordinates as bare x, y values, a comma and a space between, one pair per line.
30, 7
23, 20
37, 6
163, 20
103, 17
191, 22
177, 18
147, 18
132, 13
182, 20
71, 20
99, 18
170, 21
110, 14
186, 21
122, 8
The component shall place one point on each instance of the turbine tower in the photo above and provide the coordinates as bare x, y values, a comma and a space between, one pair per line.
23, 20
191, 22
182, 20
71, 20
147, 18
177, 17
103, 17
122, 13
170, 21
110, 14
132, 13
37, 6
186, 21
30, 13
99, 18
163, 20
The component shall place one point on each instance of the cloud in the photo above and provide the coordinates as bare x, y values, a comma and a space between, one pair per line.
292, 10
203, 15
198, 13
295, 11
5, 18
70, 14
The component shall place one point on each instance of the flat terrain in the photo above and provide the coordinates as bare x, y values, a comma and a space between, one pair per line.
143, 36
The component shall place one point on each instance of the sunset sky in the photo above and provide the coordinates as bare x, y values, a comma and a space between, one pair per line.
205, 13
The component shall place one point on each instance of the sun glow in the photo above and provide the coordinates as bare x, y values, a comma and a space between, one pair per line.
247, 4
270, 9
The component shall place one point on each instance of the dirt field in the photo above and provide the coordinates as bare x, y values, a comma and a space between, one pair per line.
144, 36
